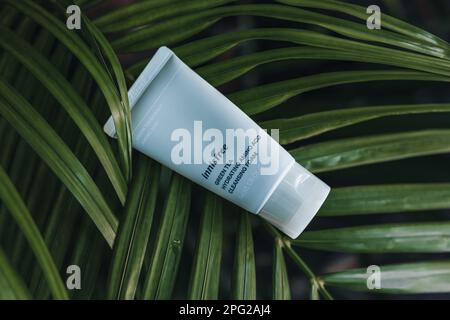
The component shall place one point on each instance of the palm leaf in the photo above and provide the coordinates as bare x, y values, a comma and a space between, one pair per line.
419, 277
62, 173
138, 41
361, 12
71, 101
312, 124
204, 283
280, 282
203, 50
407, 237
12, 286
166, 255
144, 13
387, 199
353, 152
244, 270
134, 231
119, 110
16, 206
58, 156
256, 100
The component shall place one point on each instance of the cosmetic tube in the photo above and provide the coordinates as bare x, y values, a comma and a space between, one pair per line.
183, 122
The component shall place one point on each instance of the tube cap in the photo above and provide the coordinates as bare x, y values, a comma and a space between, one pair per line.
295, 201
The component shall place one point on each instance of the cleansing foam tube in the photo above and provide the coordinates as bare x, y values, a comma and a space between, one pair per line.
183, 122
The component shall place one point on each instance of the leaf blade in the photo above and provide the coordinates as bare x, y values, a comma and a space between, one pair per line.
243, 285
169, 241
134, 231
144, 13
75, 106
119, 112
13, 201
386, 238
138, 41
361, 12
225, 71
352, 152
410, 278
12, 286
394, 198
280, 278
204, 283
42, 138
262, 98
313, 124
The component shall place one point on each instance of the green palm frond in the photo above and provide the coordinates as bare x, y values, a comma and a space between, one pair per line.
69, 195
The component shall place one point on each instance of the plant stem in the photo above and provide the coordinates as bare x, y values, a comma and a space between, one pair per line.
299, 261
308, 272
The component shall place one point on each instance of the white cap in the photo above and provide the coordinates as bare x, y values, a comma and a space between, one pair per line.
295, 201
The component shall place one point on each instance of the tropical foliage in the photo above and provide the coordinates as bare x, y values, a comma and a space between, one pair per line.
71, 196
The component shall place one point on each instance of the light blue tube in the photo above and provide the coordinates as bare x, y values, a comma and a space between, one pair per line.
183, 122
